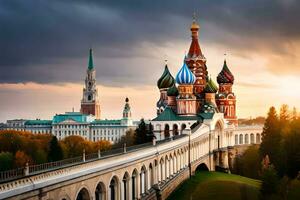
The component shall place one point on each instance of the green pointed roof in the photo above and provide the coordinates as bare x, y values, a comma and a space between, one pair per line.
91, 63
210, 87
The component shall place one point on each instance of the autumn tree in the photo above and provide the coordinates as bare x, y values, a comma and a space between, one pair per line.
74, 146
103, 145
128, 138
21, 158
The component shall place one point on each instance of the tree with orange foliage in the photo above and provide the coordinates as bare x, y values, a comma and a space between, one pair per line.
102, 145
73, 146
21, 158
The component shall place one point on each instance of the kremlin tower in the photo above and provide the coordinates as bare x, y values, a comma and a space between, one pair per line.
90, 101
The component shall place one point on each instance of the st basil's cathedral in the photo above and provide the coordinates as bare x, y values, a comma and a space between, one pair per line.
192, 95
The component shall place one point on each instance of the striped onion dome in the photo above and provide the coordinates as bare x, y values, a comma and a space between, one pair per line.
185, 76
225, 76
166, 80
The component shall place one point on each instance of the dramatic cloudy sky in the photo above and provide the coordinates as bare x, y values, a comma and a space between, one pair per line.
44, 47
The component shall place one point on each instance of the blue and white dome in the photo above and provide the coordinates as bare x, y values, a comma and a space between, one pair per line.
185, 76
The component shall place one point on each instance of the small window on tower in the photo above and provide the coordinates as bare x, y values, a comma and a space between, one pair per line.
90, 97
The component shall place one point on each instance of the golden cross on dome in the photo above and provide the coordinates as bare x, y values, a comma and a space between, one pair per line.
194, 16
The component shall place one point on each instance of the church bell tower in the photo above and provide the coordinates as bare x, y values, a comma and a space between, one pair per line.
90, 101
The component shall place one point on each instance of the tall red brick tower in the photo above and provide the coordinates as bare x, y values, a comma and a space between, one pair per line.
226, 100
90, 101
196, 60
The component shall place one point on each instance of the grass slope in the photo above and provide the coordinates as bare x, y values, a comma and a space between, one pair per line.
215, 186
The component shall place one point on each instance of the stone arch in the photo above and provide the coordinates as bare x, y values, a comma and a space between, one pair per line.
144, 179
236, 139
174, 163
218, 131
241, 139
83, 194
151, 175
171, 165
252, 138
202, 167
134, 183
175, 130
125, 185
100, 191
167, 131
114, 189
246, 138
167, 167
182, 128
257, 138
178, 160
161, 168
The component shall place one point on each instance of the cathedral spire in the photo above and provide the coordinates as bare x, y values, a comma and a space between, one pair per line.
194, 50
91, 63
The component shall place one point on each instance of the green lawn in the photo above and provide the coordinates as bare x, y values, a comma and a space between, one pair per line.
215, 186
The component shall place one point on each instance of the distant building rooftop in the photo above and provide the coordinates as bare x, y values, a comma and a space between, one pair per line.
75, 116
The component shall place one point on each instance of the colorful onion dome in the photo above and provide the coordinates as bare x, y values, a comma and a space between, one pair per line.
173, 91
185, 76
225, 76
166, 80
210, 87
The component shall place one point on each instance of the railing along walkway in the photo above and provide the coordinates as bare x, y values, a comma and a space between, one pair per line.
41, 168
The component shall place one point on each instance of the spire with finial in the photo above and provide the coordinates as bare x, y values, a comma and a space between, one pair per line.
195, 47
91, 63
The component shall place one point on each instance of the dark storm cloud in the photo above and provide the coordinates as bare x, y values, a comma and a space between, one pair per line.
47, 41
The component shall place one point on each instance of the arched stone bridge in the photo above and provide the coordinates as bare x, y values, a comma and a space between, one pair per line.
152, 172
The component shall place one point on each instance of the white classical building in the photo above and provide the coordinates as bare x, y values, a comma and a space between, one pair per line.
76, 123
248, 134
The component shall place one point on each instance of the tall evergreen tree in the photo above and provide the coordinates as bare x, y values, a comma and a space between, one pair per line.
144, 133
292, 149
271, 138
55, 151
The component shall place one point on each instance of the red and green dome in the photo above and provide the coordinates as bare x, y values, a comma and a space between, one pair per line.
225, 76
166, 80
